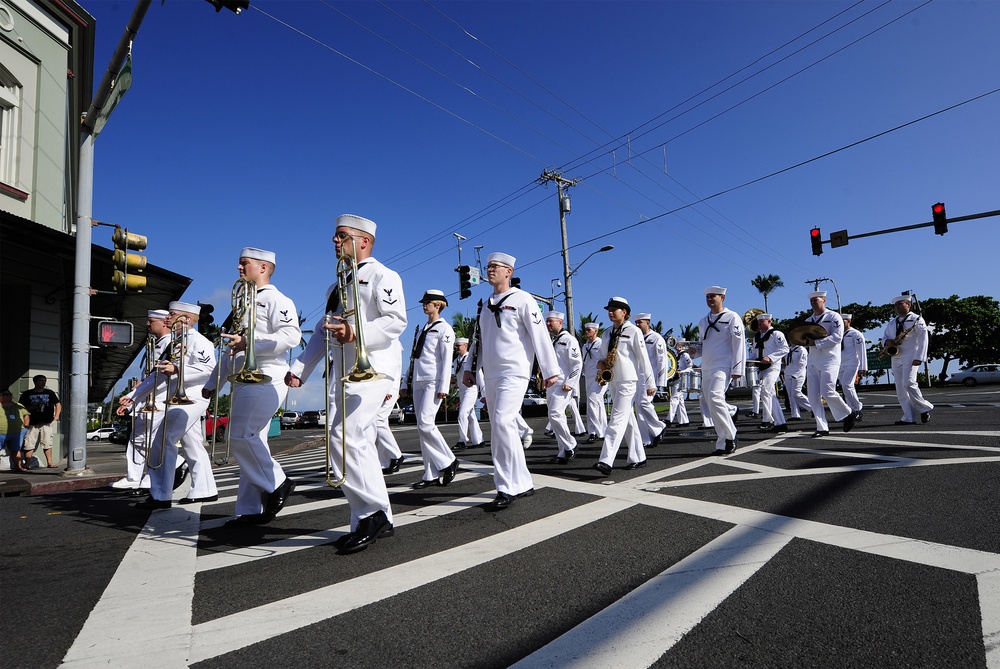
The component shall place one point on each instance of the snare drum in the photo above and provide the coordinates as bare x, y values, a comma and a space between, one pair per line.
752, 373
691, 380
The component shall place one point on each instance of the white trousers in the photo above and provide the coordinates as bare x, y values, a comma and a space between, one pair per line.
847, 376
911, 400
649, 423
714, 384
797, 400
770, 405
574, 415
433, 447
385, 440
364, 487
510, 470
253, 406
135, 451
557, 400
468, 427
823, 386
755, 398
678, 409
622, 425
182, 423
597, 417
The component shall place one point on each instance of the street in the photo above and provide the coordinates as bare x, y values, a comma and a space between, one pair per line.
876, 548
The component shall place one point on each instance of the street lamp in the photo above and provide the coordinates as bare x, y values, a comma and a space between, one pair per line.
570, 319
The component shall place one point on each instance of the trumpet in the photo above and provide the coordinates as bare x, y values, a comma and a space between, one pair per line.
244, 302
891, 348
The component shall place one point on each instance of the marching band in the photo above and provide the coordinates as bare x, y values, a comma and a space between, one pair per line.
356, 343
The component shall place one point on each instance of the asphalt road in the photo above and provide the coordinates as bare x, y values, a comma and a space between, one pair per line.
877, 548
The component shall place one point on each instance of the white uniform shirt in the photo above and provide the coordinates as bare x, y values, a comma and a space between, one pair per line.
775, 346
591, 355
632, 363
276, 332
568, 357
798, 358
199, 365
854, 352
161, 379
825, 352
656, 349
724, 345
434, 361
383, 315
510, 346
914, 345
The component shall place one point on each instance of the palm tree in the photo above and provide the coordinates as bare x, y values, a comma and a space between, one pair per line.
462, 324
766, 283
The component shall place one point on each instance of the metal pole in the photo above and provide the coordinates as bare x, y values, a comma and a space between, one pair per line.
567, 275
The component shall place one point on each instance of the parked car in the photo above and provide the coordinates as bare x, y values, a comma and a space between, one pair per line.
121, 433
100, 433
977, 374
220, 429
396, 414
534, 399
309, 419
289, 420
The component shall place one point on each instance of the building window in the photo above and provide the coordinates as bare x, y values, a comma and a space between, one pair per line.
10, 107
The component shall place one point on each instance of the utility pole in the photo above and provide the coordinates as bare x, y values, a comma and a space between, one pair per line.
816, 282
564, 206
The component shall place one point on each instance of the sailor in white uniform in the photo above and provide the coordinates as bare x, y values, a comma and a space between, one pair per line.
795, 378
263, 487
597, 417
511, 334
853, 359
429, 381
380, 319
559, 395
908, 332
470, 435
723, 357
772, 347
678, 410
650, 426
824, 365
629, 366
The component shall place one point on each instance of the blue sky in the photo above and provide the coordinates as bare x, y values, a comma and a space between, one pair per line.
438, 117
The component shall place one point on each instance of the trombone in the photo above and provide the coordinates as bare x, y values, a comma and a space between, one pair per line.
244, 302
215, 408
177, 353
149, 407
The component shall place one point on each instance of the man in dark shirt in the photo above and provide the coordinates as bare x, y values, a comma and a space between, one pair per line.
44, 408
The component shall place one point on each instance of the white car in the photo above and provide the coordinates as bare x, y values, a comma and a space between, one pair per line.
534, 399
100, 433
977, 374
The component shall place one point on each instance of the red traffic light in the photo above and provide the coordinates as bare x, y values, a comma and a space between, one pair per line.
814, 232
817, 241
938, 208
940, 218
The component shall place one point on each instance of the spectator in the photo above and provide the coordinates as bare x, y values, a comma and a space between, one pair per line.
44, 408
13, 420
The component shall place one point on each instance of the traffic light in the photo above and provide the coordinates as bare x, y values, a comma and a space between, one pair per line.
114, 333
817, 241
128, 266
940, 218
236, 6
464, 281
205, 319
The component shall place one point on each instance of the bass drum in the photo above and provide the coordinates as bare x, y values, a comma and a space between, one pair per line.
671, 365
691, 380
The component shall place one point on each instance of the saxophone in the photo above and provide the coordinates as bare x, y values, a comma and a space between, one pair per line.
891, 347
604, 372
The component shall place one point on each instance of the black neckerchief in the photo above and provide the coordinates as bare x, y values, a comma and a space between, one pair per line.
333, 302
495, 308
712, 324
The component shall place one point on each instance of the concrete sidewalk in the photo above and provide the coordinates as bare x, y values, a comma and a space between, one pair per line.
105, 464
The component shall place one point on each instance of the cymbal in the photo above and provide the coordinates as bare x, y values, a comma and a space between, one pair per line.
802, 335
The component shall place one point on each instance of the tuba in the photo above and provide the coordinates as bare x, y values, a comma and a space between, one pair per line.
750, 319
244, 303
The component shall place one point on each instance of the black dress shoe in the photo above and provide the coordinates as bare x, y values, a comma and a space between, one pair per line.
479, 445
424, 484
460, 446
448, 473
179, 475
794, 418
849, 421
393, 465
603, 468
501, 501
731, 445
151, 504
550, 433
636, 465
778, 428
719, 451
195, 500
905, 422
657, 438
925, 416
591, 438
375, 526
569, 455
246, 519
860, 416
766, 426
820, 433
276, 500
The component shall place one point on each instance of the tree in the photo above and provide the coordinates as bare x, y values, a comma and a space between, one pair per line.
584, 319
766, 283
966, 329
462, 325
689, 332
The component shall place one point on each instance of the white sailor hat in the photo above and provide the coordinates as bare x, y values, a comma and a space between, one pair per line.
162, 314
847, 317
618, 303
762, 317
817, 293
596, 326
502, 258
356, 222
258, 254
462, 340
558, 315
185, 307
434, 296
715, 290
902, 298
643, 317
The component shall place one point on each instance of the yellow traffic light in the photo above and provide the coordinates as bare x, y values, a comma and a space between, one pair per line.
128, 265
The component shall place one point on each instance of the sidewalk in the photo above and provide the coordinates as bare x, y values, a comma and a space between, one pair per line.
106, 462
